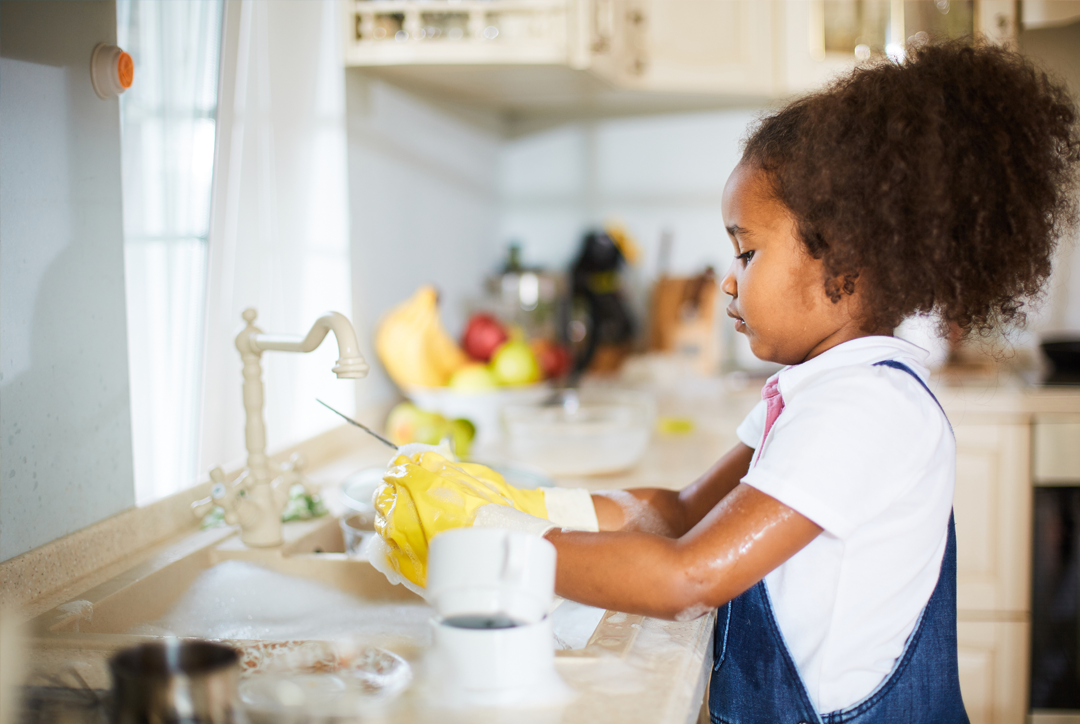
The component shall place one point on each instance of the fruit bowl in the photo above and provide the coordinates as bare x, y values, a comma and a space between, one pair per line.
482, 408
581, 432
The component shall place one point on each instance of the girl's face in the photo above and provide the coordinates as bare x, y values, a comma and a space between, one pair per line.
777, 288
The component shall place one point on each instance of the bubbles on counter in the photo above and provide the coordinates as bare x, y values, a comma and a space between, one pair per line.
241, 600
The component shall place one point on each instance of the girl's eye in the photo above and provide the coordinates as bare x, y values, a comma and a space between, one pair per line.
745, 256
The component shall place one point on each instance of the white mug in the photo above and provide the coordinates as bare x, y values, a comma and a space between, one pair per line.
504, 667
491, 572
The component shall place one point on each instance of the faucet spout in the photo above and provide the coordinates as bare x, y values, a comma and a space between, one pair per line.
350, 365
263, 490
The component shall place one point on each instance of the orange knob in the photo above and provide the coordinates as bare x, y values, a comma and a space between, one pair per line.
125, 69
112, 71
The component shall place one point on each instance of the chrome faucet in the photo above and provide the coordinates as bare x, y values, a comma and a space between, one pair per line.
259, 495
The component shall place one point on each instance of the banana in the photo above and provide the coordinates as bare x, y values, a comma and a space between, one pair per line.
414, 347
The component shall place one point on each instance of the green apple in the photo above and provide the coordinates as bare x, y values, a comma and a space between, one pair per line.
462, 432
515, 364
408, 423
474, 378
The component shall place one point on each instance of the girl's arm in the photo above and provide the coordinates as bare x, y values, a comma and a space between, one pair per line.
669, 512
744, 537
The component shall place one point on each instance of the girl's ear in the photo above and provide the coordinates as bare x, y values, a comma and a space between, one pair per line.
838, 286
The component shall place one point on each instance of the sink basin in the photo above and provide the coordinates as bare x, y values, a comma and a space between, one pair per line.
139, 604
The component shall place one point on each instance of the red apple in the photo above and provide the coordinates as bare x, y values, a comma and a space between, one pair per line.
554, 359
483, 335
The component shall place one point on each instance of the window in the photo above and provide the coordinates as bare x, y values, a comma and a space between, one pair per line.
263, 223
168, 120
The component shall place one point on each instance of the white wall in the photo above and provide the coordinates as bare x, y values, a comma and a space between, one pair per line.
650, 173
65, 426
1058, 49
434, 198
423, 200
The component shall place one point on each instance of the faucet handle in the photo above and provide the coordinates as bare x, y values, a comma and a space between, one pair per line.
295, 463
219, 494
292, 473
203, 506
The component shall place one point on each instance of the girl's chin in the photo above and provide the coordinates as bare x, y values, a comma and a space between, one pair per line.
764, 352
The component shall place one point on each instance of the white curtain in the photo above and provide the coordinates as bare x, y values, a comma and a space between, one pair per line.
168, 136
279, 237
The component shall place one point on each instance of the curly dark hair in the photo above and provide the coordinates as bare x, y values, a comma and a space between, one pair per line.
937, 185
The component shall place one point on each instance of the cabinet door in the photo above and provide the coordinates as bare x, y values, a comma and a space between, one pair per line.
1056, 450
993, 658
993, 518
690, 46
804, 64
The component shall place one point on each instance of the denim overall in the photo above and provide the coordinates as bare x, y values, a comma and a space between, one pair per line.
756, 681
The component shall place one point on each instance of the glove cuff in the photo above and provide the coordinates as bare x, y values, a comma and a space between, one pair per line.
571, 508
494, 515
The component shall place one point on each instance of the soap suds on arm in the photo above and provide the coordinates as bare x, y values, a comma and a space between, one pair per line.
638, 514
689, 614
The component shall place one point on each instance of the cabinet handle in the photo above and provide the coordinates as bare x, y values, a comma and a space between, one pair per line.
603, 26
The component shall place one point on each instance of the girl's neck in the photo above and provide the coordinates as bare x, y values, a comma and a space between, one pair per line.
844, 334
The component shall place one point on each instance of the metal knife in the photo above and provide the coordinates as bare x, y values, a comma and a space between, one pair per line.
365, 428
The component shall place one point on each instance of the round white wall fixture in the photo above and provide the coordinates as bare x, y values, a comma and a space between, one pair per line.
111, 70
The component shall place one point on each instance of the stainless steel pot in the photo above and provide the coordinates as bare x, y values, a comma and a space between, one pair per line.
176, 682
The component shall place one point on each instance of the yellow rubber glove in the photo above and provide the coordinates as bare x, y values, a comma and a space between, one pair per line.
425, 494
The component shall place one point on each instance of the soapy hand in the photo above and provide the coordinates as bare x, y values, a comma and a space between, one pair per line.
425, 493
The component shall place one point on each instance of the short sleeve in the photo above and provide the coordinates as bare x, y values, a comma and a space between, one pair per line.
751, 428
837, 435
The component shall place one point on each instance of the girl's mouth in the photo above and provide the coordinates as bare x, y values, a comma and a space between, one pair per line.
740, 324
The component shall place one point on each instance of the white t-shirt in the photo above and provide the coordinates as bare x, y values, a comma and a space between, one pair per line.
867, 454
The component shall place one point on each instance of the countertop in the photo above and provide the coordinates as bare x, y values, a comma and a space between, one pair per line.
660, 678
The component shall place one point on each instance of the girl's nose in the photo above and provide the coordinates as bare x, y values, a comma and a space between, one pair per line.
728, 284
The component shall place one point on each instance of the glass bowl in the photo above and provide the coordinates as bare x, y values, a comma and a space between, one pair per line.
482, 409
581, 432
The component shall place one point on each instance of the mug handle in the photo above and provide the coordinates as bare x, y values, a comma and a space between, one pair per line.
515, 556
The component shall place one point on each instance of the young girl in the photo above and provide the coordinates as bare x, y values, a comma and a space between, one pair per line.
939, 185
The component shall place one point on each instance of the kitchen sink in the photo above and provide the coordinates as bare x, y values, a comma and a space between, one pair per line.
214, 572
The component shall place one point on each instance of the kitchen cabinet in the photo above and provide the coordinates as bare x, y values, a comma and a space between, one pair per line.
993, 512
1056, 449
692, 46
545, 55
626, 55
992, 507
992, 659
463, 32
998, 463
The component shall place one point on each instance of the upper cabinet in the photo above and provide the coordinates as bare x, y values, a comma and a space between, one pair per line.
541, 54
464, 32
722, 48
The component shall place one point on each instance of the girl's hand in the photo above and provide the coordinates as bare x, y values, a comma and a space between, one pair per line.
426, 494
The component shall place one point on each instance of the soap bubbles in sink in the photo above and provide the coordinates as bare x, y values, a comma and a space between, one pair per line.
241, 600
315, 679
